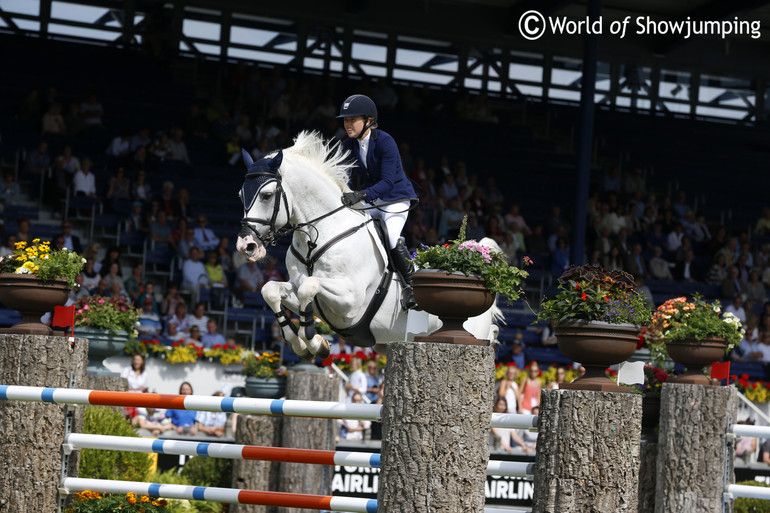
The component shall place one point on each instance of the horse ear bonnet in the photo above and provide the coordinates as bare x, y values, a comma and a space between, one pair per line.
258, 174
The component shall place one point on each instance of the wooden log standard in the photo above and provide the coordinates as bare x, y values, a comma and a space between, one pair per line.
259, 430
31, 434
587, 452
308, 433
694, 458
435, 428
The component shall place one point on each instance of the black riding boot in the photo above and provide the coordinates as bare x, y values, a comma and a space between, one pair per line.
404, 267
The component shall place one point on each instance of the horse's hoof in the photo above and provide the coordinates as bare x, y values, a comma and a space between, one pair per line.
323, 351
306, 356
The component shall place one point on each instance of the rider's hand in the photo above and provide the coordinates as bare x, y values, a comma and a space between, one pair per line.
351, 198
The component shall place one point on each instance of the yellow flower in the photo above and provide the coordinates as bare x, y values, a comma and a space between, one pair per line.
21, 245
22, 257
35, 241
132, 500
145, 498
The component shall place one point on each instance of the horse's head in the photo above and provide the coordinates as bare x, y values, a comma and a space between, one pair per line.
265, 208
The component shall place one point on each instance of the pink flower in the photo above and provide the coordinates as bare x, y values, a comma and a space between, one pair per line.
100, 301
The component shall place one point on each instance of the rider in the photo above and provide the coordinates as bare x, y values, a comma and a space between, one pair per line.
378, 164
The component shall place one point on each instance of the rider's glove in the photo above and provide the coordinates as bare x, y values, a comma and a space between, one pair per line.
351, 198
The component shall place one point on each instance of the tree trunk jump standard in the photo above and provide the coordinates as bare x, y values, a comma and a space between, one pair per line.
693, 449
587, 458
436, 417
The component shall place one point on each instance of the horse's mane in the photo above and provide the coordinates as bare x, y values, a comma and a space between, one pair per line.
330, 159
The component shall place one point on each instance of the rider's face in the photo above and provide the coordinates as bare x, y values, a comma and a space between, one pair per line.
354, 125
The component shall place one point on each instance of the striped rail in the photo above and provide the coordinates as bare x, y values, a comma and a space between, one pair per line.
253, 452
289, 408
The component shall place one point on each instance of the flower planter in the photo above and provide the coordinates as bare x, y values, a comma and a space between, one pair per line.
695, 354
33, 298
596, 345
453, 298
101, 344
265, 388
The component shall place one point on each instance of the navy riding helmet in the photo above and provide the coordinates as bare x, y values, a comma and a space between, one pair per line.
358, 105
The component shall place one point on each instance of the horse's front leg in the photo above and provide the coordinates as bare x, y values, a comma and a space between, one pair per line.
276, 294
343, 300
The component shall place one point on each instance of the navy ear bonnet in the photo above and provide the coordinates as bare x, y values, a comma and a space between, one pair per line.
258, 174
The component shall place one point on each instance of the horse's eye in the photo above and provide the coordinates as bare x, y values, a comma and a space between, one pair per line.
266, 195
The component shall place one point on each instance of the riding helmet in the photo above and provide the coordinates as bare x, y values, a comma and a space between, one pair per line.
358, 105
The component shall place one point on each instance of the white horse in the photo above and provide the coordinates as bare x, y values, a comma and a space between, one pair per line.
336, 261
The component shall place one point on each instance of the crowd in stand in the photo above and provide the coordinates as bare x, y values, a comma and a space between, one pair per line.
632, 225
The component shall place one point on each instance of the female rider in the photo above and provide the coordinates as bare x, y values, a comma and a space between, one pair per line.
382, 178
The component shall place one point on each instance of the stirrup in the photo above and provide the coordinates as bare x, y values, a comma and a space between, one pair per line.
407, 299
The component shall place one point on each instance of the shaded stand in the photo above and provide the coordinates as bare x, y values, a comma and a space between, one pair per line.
695, 457
31, 433
587, 452
436, 420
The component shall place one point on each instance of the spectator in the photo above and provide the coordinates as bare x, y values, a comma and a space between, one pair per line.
170, 299
136, 222
90, 277
270, 273
357, 383
149, 321
149, 292
84, 181
102, 288
53, 122
212, 338
211, 423
118, 292
136, 374
160, 233
509, 389
658, 266
687, 269
133, 284
119, 186
745, 446
732, 285
10, 194
119, 147
217, 280
91, 112
527, 438
205, 238
194, 275
23, 235
755, 289
177, 327
198, 318
223, 254
373, 381
183, 420
141, 138
177, 149
153, 420
635, 263
353, 429
530, 390
501, 436
194, 337
718, 271
250, 279
79, 291
186, 241
73, 121
71, 241
517, 351
140, 189
113, 275
736, 308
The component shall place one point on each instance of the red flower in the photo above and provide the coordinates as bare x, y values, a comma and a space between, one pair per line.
584, 296
328, 362
733, 377
744, 376
577, 285
511, 364
754, 385
175, 344
200, 354
606, 299
640, 342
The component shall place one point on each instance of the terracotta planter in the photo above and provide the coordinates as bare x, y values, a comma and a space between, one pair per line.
596, 345
101, 344
453, 298
265, 388
695, 354
33, 298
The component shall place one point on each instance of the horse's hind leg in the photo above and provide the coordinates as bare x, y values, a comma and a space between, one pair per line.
276, 293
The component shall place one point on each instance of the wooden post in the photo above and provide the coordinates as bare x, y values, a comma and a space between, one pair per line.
256, 475
308, 433
31, 434
436, 422
695, 457
587, 452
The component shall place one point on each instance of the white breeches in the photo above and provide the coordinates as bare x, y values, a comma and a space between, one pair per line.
394, 216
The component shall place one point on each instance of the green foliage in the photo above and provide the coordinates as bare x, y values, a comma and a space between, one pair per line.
744, 505
266, 365
679, 319
135, 346
204, 471
103, 464
469, 257
172, 476
592, 293
111, 314
39, 259
93, 502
